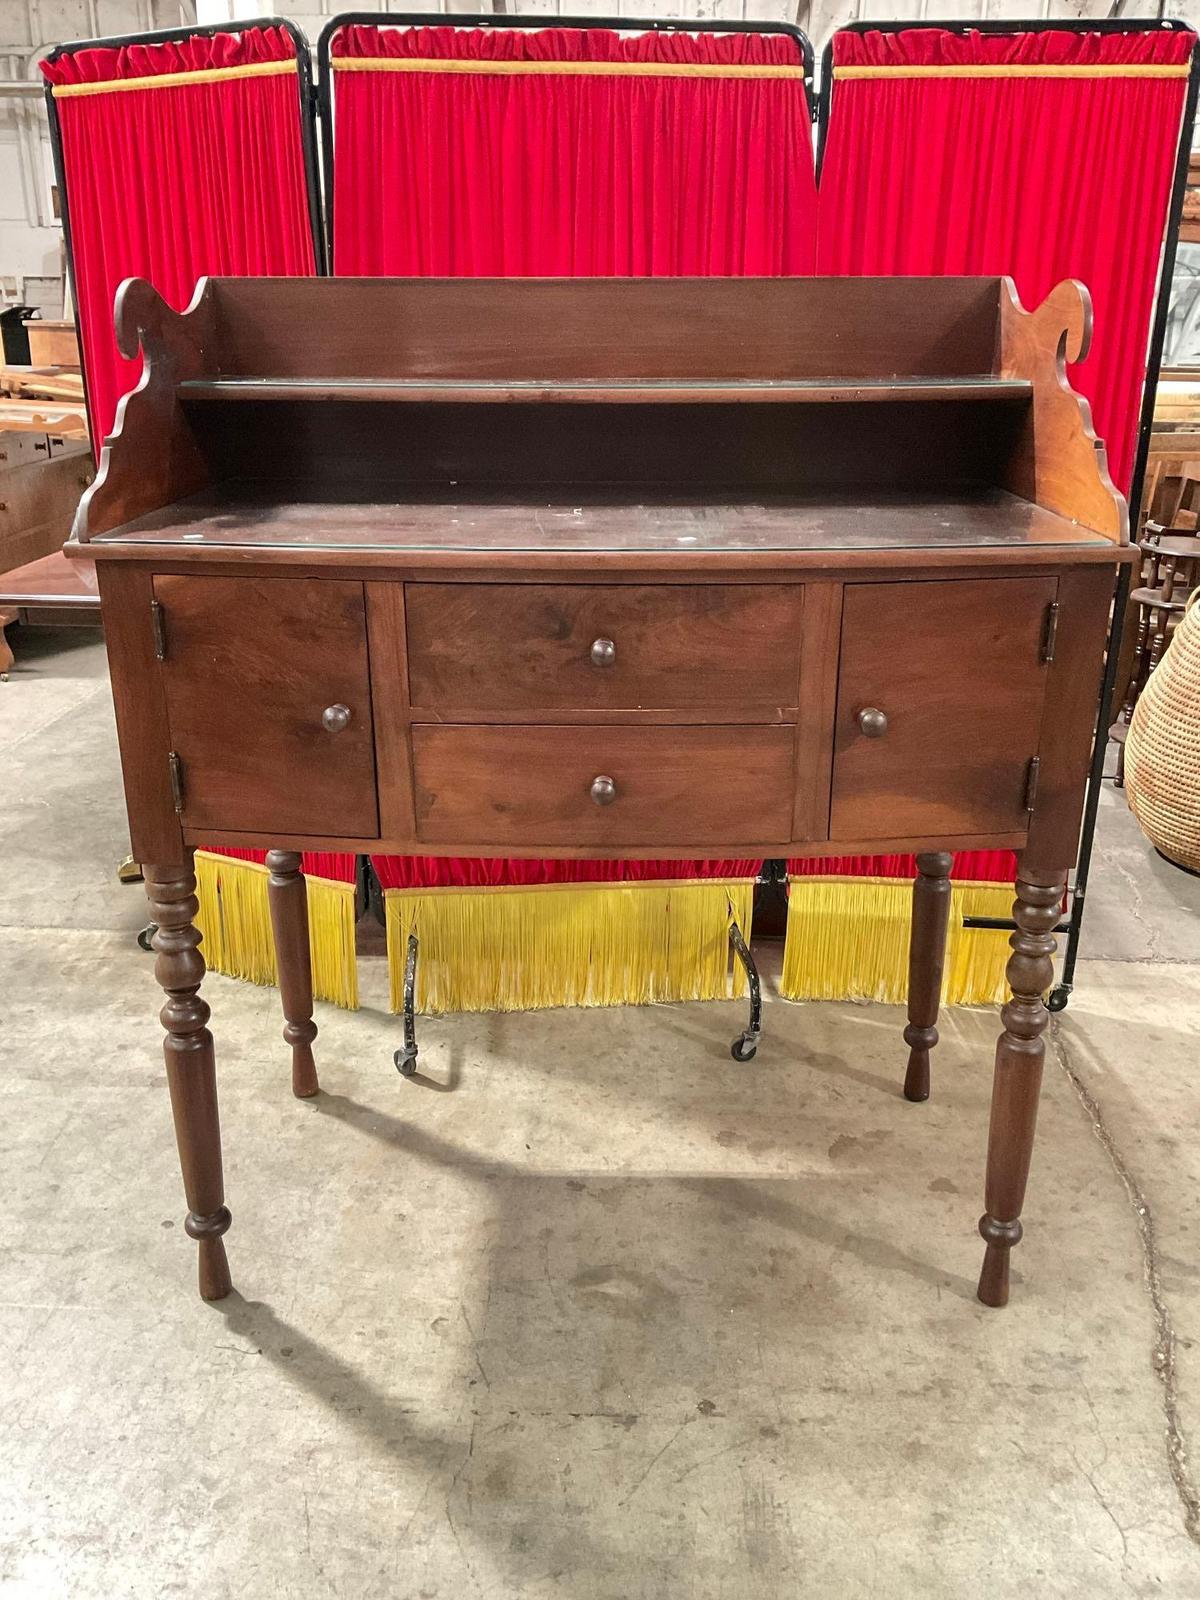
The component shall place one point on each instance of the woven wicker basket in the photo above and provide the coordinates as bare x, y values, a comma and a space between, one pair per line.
1162, 751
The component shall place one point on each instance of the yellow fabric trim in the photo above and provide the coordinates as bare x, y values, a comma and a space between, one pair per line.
591, 944
1001, 70
175, 80
562, 69
847, 939
235, 919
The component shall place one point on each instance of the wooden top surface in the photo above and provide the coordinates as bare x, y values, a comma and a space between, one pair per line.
497, 522
52, 581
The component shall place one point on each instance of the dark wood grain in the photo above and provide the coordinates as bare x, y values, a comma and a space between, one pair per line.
1018, 1075
1068, 726
140, 704
250, 668
607, 328
1058, 462
821, 647
956, 667
288, 900
54, 580
926, 964
687, 529
191, 1069
798, 511
732, 650
525, 786
643, 391
387, 631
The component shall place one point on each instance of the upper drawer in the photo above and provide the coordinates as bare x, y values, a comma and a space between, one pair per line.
477, 650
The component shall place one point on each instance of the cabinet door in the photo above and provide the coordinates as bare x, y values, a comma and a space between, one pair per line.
250, 665
956, 669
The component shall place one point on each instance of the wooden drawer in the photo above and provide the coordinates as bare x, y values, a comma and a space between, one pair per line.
249, 667
479, 650
957, 669
674, 786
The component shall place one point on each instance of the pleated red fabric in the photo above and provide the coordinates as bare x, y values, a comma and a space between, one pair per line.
176, 181
1038, 178
172, 182
469, 174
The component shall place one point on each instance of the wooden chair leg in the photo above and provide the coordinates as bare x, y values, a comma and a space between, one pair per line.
191, 1069
926, 962
1018, 1076
288, 900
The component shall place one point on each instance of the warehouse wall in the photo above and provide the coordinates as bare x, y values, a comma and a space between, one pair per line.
31, 266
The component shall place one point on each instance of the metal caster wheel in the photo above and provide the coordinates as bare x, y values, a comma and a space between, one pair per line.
1057, 998
145, 938
406, 1062
744, 1048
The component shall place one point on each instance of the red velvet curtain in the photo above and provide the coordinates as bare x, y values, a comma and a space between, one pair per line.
1038, 177
173, 181
475, 173
1042, 178
170, 182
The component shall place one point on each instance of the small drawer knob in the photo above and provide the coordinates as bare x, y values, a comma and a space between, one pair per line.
604, 652
872, 722
335, 719
603, 791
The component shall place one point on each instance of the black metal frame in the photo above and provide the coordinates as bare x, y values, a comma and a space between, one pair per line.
441, 19
1158, 330
308, 139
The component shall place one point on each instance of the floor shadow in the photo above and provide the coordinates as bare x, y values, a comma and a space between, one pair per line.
758, 1198
759, 1201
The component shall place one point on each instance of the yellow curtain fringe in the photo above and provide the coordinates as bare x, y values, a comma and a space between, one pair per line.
847, 939
235, 919
1001, 70
562, 69
590, 944
174, 80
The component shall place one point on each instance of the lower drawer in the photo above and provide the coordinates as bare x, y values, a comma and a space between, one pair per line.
603, 787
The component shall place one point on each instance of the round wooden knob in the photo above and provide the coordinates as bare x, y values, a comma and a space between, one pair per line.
335, 719
604, 652
873, 722
603, 791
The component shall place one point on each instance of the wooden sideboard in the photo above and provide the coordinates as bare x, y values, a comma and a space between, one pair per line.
611, 568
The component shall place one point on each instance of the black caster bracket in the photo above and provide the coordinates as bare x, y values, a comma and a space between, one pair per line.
745, 1046
406, 1058
145, 938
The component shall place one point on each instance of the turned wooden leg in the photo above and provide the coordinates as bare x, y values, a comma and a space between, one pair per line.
1018, 1077
926, 959
191, 1070
289, 918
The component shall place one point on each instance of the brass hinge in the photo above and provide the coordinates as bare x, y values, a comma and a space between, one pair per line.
1049, 632
1031, 781
159, 623
175, 767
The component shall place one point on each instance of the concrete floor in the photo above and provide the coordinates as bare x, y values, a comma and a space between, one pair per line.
586, 1310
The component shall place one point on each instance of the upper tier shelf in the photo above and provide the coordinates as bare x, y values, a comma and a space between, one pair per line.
644, 391
761, 399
